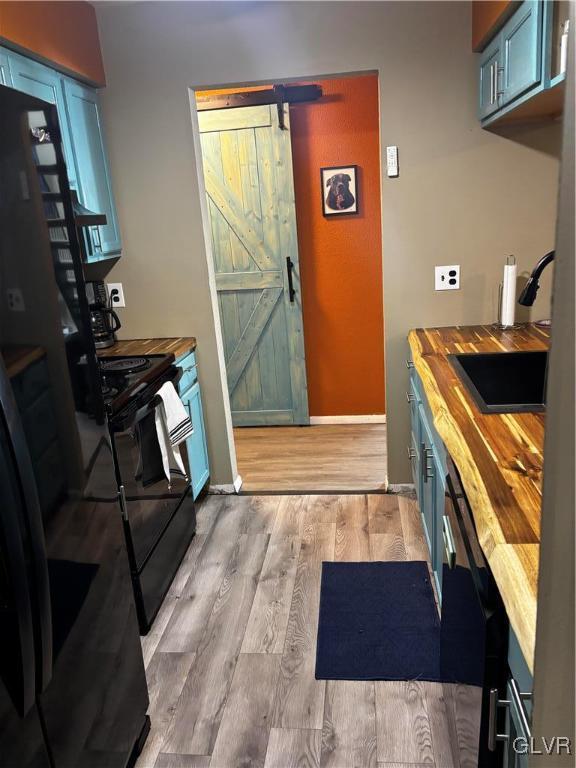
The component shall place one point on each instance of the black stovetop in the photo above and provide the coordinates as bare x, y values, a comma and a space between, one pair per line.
125, 378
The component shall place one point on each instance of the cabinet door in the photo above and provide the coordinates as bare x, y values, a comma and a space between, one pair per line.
94, 186
522, 51
5, 76
37, 80
488, 79
515, 730
428, 484
196, 443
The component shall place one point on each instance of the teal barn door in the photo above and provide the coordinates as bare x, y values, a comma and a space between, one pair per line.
247, 162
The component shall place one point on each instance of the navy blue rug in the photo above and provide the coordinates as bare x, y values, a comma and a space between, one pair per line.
378, 621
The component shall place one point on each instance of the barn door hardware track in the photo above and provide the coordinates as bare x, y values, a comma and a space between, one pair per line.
278, 95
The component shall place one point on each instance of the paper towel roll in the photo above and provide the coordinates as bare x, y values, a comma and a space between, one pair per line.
508, 293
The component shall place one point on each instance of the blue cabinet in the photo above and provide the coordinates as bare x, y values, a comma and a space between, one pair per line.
428, 461
196, 447
5, 75
82, 140
518, 65
90, 159
521, 51
44, 83
489, 72
518, 706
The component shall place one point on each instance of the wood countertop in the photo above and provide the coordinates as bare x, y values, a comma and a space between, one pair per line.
17, 358
499, 457
177, 347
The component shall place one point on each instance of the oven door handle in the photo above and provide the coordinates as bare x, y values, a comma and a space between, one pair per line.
449, 546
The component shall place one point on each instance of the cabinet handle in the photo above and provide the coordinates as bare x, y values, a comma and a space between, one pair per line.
409, 364
499, 71
428, 474
518, 701
411, 453
410, 397
493, 735
449, 546
492, 83
96, 238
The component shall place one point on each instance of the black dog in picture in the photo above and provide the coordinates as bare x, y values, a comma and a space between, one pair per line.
339, 198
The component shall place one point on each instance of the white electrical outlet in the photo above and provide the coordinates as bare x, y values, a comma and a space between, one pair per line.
447, 278
116, 291
15, 300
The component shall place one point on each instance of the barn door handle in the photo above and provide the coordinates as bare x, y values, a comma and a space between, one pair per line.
289, 268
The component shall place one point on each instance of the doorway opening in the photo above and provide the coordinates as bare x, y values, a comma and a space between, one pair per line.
294, 216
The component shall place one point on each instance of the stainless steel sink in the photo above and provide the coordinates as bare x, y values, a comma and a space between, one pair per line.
504, 382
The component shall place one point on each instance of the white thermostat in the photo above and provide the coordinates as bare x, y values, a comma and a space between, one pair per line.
392, 161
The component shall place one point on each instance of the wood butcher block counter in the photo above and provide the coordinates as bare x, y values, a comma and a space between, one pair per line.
499, 457
143, 347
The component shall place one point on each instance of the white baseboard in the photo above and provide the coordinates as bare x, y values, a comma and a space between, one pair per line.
227, 488
373, 418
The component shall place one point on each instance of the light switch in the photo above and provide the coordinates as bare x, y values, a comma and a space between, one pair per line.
392, 161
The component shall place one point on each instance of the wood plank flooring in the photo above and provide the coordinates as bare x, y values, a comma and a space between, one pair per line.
231, 656
319, 458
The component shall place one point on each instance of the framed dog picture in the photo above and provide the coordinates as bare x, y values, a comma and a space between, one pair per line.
339, 190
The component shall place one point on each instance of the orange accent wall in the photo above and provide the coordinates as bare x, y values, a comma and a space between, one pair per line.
341, 257
64, 33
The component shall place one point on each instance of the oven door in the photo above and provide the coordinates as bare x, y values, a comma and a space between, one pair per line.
474, 626
148, 504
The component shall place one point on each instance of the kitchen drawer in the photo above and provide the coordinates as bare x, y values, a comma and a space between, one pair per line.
39, 424
189, 372
49, 474
30, 384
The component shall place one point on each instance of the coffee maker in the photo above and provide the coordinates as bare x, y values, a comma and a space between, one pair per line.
103, 319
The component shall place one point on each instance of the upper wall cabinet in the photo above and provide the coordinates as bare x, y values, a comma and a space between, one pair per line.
5, 76
520, 71
82, 139
44, 83
90, 159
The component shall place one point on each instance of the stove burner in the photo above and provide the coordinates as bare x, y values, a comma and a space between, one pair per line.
125, 365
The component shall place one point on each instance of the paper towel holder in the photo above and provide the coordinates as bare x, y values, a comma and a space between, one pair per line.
510, 261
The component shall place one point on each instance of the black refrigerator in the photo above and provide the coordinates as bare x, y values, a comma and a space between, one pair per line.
72, 684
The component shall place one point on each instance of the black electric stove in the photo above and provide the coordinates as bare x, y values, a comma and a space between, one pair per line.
159, 517
128, 380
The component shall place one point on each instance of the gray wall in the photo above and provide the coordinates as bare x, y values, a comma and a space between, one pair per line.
464, 195
554, 657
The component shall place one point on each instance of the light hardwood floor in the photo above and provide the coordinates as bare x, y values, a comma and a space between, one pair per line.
319, 458
230, 658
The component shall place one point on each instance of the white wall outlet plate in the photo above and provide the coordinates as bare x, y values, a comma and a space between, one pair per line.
116, 291
447, 278
15, 300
